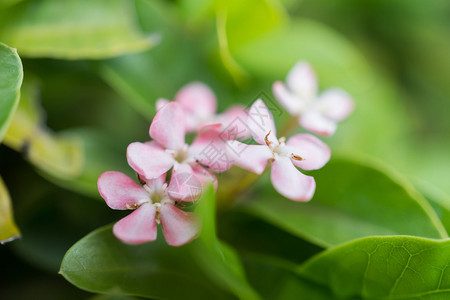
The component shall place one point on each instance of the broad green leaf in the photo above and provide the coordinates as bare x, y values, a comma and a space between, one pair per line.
100, 263
112, 297
275, 279
236, 26
352, 200
218, 259
6, 3
11, 76
439, 200
8, 228
251, 236
396, 267
74, 29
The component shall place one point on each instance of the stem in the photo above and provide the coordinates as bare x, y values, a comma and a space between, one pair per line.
289, 126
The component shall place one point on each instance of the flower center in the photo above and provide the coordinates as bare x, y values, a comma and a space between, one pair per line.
180, 155
280, 149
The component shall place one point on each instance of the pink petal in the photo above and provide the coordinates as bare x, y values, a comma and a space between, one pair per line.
204, 176
184, 184
209, 149
156, 183
336, 104
289, 182
154, 144
148, 161
178, 227
168, 126
260, 121
198, 101
234, 124
209, 126
138, 227
160, 103
289, 101
314, 152
251, 157
302, 80
119, 190
317, 123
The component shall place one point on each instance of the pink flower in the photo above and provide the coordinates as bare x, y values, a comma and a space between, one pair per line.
152, 205
301, 150
318, 114
169, 150
199, 105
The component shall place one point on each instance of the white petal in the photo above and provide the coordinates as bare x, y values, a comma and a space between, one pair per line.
261, 123
302, 80
290, 182
314, 152
335, 104
318, 123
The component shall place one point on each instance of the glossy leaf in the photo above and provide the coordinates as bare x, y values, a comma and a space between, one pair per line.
275, 279
352, 200
218, 259
439, 200
8, 228
11, 75
74, 29
383, 268
101, 263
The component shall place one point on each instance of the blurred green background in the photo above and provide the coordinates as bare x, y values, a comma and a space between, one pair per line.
94, 69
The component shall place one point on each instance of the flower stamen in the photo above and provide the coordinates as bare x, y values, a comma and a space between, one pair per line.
266, 139
296, 157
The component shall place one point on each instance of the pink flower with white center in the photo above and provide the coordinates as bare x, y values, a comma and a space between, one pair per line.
152, 205
301, 150
316, 113
200, 106
168, 149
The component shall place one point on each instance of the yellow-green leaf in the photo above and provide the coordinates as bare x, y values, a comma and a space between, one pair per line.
8, 228
11, 75
55, 154
74, 29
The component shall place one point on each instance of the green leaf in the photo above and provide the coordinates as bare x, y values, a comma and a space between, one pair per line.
236, 26
8, 228
218, 259
275, 279
352, 200
11, 76
74, 29
55, 154
383, 268
439, 200
6, 3
100, 263
100, 153
251, 236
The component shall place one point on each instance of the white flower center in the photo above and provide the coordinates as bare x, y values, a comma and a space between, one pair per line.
279, 148
181, 155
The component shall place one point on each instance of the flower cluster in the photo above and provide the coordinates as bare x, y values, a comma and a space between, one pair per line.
171, 172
